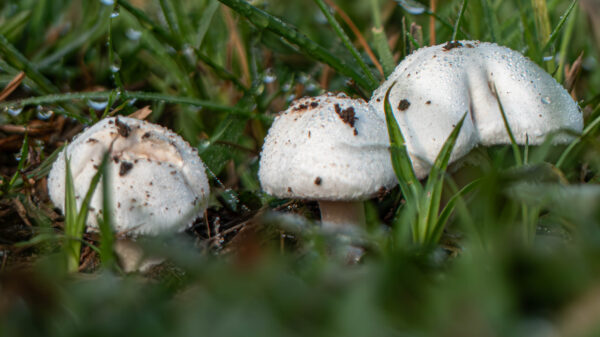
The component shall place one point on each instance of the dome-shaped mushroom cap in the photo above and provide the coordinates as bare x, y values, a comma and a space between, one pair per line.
435, 86
329, 147
157, 179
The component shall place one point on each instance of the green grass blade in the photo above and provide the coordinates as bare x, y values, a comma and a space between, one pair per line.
449, 208
586, 132
205, 20
380, 41
559, 26
23, 158
513, 142
139, 95
435, 183
564, 47
71, 247
169, 15
265, 20
147, 23
346, 41
409, 184
19, 61
461, 14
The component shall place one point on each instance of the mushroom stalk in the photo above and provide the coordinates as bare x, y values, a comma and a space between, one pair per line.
339, 214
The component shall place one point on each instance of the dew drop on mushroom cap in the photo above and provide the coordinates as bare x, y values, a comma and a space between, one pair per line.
157, 179
329, 148
435, 86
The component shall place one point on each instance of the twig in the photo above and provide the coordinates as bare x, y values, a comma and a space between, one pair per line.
12, 85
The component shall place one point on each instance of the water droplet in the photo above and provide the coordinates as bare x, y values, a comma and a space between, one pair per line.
114, 14
108, 2
269, 76
546, 100
412, 7
133, 34
548, 58
115, 67
97, 105
42, 113
14, 111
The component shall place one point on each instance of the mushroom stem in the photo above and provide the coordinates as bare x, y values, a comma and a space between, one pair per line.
339, 214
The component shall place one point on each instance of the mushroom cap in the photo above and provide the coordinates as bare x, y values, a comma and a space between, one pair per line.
157, 181
329, 147
435, 86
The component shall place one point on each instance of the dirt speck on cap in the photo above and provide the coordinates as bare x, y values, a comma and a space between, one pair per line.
428, 102
403, 105
125, 168
92, 140
314, 104
451, 45
123, 128
318, 181
347, 115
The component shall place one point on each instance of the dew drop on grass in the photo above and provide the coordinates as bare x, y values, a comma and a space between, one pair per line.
97, 105
14, 111
269, 76
133, 34
108, 2
42, 113
548, 58
411, 6
114, 14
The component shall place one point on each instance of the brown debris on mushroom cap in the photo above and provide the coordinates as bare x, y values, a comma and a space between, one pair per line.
130, 141
335, 151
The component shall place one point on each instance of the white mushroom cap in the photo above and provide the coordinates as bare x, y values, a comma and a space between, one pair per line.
157, 179
329, 147
435, 86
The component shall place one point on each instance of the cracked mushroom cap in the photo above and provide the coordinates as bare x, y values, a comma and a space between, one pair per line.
435, 86
329, 147
157, 179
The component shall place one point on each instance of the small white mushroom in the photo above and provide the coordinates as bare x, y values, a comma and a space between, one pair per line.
435, 86
329, 148
158, 182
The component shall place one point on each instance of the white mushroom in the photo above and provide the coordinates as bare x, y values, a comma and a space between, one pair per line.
158, 182
435, 86
329, 148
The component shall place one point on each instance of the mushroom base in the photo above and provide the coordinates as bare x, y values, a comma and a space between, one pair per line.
339, 214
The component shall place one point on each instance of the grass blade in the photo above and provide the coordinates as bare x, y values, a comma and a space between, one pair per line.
380, 40
513, 142
409, 184
461, 14
346, 41
435, 183
586, 132
449, 208
265, 20
105, 224
559, 26
139, 95
75, 220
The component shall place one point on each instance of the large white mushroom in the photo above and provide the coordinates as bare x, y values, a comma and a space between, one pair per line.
158, 182
435, 86
329, 148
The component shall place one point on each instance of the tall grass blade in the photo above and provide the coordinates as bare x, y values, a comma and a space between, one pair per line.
513, 142
559, 26
106, 223
75, 219
380, 41
461, 14
265, 20
433, 188
409, 184
346, 41
449, 208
